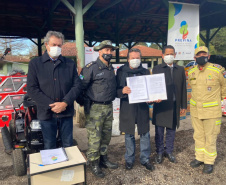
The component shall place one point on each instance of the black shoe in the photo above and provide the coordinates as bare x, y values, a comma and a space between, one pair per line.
159, 158
129, 166
171, 158
195, 163
149, 166
96, 170
208, 168
104, 162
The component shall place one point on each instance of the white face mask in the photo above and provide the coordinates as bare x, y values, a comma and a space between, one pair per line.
134, 63
55, 51
169, 59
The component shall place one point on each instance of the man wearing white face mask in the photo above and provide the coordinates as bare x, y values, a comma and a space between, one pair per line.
131, 114
53, 83
166, 114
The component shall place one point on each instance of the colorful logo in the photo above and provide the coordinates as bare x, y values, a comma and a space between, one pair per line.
183, 29
54, 158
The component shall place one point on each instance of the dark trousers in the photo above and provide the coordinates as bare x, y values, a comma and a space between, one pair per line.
159, 139
170, 136
49, 132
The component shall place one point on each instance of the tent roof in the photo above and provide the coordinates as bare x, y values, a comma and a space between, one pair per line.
125, 20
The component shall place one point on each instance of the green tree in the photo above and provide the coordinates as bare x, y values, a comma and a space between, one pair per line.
122, 47
219, 41
142, 43
217, 45
155, 46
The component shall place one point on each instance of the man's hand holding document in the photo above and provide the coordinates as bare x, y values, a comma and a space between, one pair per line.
147, 88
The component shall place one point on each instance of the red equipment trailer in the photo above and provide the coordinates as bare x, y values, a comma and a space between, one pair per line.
12, 91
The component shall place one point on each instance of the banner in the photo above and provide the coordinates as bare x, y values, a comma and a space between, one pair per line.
90, 55
183, 29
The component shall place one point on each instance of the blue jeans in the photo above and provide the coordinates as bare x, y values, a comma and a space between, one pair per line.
49, 132
145, 148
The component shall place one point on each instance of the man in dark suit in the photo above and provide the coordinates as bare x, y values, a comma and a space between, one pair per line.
166, 114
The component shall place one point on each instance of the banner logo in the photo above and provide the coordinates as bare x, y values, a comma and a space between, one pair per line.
184, 29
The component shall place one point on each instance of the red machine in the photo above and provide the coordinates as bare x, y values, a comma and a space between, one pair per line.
12, 90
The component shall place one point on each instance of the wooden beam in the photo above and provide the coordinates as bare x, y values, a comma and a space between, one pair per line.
166, 3
217, 1
86, 43
141, 12
215, 33
107, 7
88, 6
202, 37
51, 13
94, 44
33, 24
212, 13
158, 45
207, 38
33, 41
69, 6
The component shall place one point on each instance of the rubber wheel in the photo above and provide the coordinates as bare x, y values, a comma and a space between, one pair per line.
12, 130
19, 165
7, 141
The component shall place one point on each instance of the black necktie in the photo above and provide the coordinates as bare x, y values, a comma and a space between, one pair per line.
171, 68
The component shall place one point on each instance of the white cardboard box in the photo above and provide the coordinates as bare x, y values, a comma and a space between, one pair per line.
69, 172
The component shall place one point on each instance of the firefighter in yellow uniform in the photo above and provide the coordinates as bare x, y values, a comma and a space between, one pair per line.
208, 83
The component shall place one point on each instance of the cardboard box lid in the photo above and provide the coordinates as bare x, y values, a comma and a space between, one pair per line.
74, 155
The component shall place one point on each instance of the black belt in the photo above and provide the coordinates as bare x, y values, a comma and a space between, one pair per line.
103, 103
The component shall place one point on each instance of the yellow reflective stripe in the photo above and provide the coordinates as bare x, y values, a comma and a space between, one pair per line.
192, 70
192, 102
210, 154
218, 122
213, 69
204, 150
199, 149
210, 104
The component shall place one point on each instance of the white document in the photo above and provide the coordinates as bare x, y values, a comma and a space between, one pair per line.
53, 156
147, 88
138, 87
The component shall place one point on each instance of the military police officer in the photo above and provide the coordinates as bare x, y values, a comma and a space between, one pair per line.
99, 85
208, 82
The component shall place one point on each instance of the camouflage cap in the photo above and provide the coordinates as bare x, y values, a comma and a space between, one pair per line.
105, 44
201, 48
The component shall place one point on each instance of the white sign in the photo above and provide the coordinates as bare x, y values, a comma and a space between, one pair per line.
183, 29
90, 55
147, 88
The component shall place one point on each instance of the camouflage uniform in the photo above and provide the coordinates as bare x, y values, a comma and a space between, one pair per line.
99, 127
99, 85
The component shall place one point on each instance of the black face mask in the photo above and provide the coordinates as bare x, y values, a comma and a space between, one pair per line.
202, 60
107, 57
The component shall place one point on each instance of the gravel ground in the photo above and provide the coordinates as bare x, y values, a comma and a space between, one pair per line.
165, 173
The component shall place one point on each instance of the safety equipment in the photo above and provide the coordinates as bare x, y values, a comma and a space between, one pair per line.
55, 51
202, 60
134, 63
107, 57
208, 88
169, 59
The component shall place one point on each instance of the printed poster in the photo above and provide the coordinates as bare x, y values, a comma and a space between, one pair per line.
183, 29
